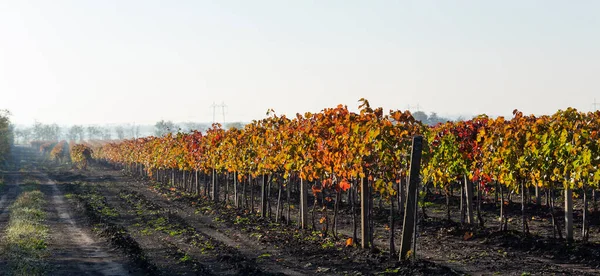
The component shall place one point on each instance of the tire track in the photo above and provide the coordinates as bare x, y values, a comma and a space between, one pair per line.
74, 250
10, 192
249, 248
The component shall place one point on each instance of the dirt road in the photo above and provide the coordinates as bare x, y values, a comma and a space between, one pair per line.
72, 248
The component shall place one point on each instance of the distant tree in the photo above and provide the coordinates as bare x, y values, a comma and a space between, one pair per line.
46, 132
76, 133
189, 126
434, 119
163, 127
23, 135
237, 125
120, 132
134, 131
420, 116
6, 134
71, 135
106, 133
38, 131
94, 133
54, 132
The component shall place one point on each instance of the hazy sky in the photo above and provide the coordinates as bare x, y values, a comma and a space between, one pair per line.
119, 61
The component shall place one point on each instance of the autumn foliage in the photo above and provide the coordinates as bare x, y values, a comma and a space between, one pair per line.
333, 146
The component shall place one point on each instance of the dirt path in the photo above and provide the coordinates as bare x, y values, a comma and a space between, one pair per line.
72, 248
10, 191
74, 251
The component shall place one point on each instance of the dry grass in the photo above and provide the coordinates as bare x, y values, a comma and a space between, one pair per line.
24, 243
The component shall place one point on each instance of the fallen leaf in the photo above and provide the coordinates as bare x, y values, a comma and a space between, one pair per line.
349, 242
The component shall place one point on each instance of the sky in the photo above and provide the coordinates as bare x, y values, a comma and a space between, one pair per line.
115, 61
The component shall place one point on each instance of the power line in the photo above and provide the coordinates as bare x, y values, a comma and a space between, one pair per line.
417, 107
214, 107
223, 109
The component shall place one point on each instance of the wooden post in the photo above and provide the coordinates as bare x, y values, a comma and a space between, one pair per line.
251, 192
411, 202
215, 186
235, 190
538, 196
524, 217
569, 213
462, 203
183, 181
172, 178
263, 197
365, 197
585, 226
469, 199
303, 204
197, 184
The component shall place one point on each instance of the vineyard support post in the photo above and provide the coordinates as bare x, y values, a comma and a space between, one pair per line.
569, 212
469, 199
538, 196
303, 204
263, 197
196, 184
235, 190
365, 197
585, 226
215, 186
408, 227
524, 216
172, 178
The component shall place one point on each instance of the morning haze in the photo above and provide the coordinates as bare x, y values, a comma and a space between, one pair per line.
114, 62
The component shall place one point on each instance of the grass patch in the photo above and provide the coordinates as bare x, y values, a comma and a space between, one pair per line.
24, 244
185, 258
29, 187
96, 200
265, 255
31, 181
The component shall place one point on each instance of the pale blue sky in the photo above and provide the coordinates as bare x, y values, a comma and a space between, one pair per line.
118, 61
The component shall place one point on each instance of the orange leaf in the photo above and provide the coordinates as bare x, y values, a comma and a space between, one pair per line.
468, 236
349, 242
344, 185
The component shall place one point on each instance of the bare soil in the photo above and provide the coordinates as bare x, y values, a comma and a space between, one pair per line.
107, 223
72, 248
186, 235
